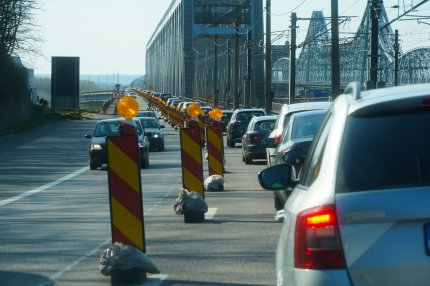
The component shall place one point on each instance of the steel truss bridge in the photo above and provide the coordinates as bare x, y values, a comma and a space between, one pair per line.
313, 67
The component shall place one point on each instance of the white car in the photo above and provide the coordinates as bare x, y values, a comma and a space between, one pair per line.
286, 111
360, 213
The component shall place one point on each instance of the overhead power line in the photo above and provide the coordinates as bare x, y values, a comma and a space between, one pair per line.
406, 12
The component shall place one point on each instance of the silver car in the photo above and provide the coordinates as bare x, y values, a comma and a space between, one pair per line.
360, 214
284, 117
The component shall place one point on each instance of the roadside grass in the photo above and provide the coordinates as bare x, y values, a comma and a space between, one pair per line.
42, 117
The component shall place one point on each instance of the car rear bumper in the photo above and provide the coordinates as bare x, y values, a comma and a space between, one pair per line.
255, 152
304, 277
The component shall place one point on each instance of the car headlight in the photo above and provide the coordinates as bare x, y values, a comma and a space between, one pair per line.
155, 135
96, 147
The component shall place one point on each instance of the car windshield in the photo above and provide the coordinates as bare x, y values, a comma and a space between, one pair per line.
264, 125
247, 115
146, 114
149, 123
306, 126
107, 129
389, 151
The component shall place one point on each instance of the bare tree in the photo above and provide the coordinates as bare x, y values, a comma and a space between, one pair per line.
17, 29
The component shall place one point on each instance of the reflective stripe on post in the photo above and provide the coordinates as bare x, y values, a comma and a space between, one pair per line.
125, 193
215, 149
191, 157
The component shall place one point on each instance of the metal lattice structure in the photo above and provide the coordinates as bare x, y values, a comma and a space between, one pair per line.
180, 56
313, 68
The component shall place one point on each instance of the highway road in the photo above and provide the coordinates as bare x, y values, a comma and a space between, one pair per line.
55, 219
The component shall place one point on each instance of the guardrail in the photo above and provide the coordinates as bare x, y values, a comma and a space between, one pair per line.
94, 101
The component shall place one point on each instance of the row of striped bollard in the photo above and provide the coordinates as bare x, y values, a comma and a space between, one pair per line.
191, 154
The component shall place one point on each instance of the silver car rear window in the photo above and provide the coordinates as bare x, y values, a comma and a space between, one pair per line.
385, 151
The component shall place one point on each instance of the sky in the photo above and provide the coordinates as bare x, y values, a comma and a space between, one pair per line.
110, 36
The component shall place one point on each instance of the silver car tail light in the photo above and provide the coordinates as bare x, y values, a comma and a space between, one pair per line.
317, 242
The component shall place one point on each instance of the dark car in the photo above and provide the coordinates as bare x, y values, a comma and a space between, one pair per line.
110, 127
226, 116
239, 122
295, 142
258, 129
165, 96
154, 132
147, 113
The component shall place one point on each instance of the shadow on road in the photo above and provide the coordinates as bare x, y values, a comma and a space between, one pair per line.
8, 278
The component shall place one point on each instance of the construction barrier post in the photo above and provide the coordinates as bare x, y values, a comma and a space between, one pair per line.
125, 193
192, 165
215, 148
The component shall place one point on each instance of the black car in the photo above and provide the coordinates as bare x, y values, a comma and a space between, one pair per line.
239, 122
226, 116
258, 129
110, 127
154, 132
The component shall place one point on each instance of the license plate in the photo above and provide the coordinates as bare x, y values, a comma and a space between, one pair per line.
427, 238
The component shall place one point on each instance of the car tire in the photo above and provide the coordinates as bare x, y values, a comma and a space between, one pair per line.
93, 166
278, 203
161, 148
248, 161
145, 162
230, 143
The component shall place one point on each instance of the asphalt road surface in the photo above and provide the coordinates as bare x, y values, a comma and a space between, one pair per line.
55, 217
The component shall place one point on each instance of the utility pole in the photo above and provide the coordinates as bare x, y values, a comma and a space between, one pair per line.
374, 19
228, 91
268, 101
335, 70
248, 100
236, 65
292, 72
396, 57
216, 72
206, 76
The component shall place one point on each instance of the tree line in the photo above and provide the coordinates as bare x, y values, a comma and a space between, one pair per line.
18, 35
17, 29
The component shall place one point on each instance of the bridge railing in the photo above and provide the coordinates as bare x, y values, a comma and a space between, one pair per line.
94, 101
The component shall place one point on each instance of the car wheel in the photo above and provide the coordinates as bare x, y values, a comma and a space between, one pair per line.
93, 166
230, 143
161, 148
278, 203
248, 160
145, 161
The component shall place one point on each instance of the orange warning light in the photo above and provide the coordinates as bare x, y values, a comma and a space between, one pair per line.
127, 107
216, 113
194, 110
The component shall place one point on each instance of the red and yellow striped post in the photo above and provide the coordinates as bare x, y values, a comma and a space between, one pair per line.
215, 144
191, 156
125, 193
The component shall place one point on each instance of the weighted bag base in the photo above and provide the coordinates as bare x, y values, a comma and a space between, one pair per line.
130, 276
190, 217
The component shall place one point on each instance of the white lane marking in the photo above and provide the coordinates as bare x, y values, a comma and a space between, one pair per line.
157, 282
53, 278
44, 187
210, 213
